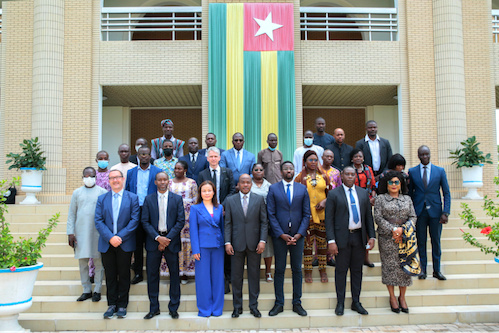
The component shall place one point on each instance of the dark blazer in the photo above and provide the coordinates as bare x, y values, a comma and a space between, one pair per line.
203, 151
174, 221
134, 159
131, 179
280, 213
385, 151
227, 186
201, 164
206, 231
337, 216
430, 195
228, 160
128, 220
341, 155
245, 231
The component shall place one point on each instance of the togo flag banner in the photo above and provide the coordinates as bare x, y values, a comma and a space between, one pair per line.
252, 74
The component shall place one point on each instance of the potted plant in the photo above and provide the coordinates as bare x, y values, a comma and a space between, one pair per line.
18, 267
470, 159
31, 162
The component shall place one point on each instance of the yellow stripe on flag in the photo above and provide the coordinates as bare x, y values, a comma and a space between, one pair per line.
235, 69
270, 106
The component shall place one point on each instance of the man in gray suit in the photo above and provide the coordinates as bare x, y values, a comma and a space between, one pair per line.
246, 227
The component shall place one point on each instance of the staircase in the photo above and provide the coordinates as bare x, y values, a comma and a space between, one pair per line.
469, 295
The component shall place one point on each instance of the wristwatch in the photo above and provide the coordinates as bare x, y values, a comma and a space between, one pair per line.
446, 214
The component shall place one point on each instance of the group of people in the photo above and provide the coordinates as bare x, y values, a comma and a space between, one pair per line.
210, 212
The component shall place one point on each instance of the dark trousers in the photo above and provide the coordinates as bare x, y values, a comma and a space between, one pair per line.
227, 268
350, 257
253, 268
138, 254
424, 223
117, 267
296, 257
153, 262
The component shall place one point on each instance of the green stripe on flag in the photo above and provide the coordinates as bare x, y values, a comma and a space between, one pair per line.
252, 101
287, 103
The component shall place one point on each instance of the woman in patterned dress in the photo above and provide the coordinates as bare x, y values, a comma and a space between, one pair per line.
392, 211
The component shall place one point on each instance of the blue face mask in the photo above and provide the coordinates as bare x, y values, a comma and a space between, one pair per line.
102, 164
271, 149
308, 141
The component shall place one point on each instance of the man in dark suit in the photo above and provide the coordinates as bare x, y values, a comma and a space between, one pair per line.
425, 182
340, 150
140, 180
163, 218
211, 141
288, 210
140, 142
224, 183
349, 227
116, 218
196, 162
377, 151
246, 227
238, 159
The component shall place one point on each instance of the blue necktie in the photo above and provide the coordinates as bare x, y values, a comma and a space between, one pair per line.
288, 192
355, 213
116, 212
238, 163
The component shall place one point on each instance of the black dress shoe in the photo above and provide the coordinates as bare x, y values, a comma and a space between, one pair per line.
396, 310
315, 262
340, 309
404, 310
173, 314
356, 306
331, 263
96, 297
369, 264
227, 287
84, 297
136, 279
255, 313
152, 314
236, 313
439, 276
299, 309
276, 310
422, 276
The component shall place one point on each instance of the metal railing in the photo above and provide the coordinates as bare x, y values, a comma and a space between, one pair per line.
495, 25
331, 23
170, 23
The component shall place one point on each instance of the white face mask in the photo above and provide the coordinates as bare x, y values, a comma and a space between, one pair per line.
89, 181
137, 148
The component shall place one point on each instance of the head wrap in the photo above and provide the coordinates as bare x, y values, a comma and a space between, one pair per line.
167, 122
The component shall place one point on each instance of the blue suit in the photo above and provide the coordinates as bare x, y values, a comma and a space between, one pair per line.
428, 206
193, 171
291, 219
228, 160
207, 239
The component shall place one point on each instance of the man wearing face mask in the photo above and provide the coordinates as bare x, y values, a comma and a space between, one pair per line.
102, 178
271, 159
308, 143
82, 234
168, 161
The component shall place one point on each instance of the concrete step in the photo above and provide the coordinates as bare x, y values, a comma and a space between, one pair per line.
189, 321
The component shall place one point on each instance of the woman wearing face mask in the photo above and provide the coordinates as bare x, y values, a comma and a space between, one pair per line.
102, 178
167, 163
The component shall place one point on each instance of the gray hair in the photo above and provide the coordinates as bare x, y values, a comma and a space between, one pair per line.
213, 149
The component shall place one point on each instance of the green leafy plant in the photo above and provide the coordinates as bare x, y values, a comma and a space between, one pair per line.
30, 157
491, 231
21, 252
469, 154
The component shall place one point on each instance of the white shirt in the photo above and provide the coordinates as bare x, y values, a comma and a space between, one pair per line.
428, 171
298, 156
164, 208
374, 147
195, 157
124, 167
351, 224
285, 183
217, 185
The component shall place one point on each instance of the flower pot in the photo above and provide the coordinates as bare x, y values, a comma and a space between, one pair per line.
15, 297
472, 179
31, 183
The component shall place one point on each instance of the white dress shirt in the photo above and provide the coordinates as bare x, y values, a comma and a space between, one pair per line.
374, 147
290, 188
195, 157
428, 171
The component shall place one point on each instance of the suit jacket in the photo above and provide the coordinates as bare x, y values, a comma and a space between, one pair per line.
128, 220
226, 182
430, 195
206, 231
193, 171
385, 151
337, 216
228, 160
131, 179
245, 232
203, 151
280, 213
133, 159
175, 221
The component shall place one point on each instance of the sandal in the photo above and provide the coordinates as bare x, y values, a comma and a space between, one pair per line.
308, 277
269, 277
324, 278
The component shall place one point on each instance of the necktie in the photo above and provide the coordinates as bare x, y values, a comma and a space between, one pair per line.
116, 212
288, 193
215, 178
193, 161
355, 213
162, 214
238, 163
425, 176
245, 204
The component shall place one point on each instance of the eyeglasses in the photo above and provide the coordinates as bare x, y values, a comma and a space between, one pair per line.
258, 170
115, 178
312, 160
394, 182
238, 140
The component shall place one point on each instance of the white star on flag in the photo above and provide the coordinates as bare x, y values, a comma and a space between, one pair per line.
267, 26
